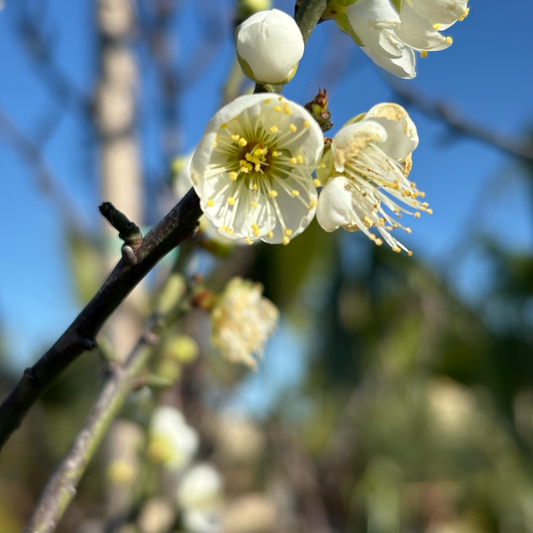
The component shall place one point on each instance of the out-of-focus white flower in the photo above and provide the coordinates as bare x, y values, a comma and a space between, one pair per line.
389, 30
172, 442
269, 46
242, 321
253, 169
371, 163
200, 487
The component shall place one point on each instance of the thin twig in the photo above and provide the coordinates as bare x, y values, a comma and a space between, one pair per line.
177, 226
444, 113
62, 487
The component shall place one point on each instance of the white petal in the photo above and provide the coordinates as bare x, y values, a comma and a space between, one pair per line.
402, 136
440, 11
351, 139
334, 205
271, 43
418, 32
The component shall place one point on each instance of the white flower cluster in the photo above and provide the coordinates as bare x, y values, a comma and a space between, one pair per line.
253, 171
389, 31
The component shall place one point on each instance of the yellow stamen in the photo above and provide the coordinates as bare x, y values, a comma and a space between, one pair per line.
273, 129
288, 232
293, 128
316, 183
423, 54
272, 193
243, 142
285, 241
233, 176
210, 203
294, 192
231, 200
270, 235
307, 125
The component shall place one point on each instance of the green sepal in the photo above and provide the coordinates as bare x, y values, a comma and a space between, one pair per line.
344, 25
325, 168
355, 119
397, 5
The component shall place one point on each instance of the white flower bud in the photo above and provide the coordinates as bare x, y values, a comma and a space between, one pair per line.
269, 47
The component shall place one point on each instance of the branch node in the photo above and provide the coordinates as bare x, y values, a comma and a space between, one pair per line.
128, 231
128, 254
86, 343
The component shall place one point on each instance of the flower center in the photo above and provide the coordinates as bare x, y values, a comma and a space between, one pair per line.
254, 158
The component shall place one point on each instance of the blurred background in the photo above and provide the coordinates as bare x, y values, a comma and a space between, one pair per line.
397, 392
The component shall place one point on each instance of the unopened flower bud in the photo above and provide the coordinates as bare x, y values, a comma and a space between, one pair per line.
246, 8
269, 46
182, 347
318, 107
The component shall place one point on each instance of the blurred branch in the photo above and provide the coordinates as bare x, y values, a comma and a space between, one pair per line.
62, 487
29, 151
178, 225
444, 113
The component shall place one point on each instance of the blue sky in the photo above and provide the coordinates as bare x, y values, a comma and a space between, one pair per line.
487, 76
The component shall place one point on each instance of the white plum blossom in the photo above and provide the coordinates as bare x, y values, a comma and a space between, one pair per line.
269, 46
253, 168
389, 31
199, 496
371, 164
172, 442
242, 321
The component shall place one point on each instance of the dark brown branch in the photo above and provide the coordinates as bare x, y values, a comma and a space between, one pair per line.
442, 112
177, 226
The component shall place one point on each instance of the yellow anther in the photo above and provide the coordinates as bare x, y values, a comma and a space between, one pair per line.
288, 232
378, 242
280, 98
272, 193
423, 54
254, 186
248, 240
277, 108
235, 137
243, 142
429, 211
275, 153
417, 215
307, 125
317, 183
223, 126
409, 253
300, 159
396, 249
273, 129
233, 176
210, 203
407, 230
293, 128
465, 14
436, 26
267, 101
295, 193
312, 204
323, 165
293, 160
285, 241
215, 143
231, 200
449, 40
255, 227
287, 109
270, 235
230, 231
253, 204
224, 228
367, 222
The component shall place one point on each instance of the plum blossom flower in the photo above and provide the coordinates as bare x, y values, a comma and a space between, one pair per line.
242, 321
253, 169
199, 495
371, 164
269, 46
390, 30
172, 442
